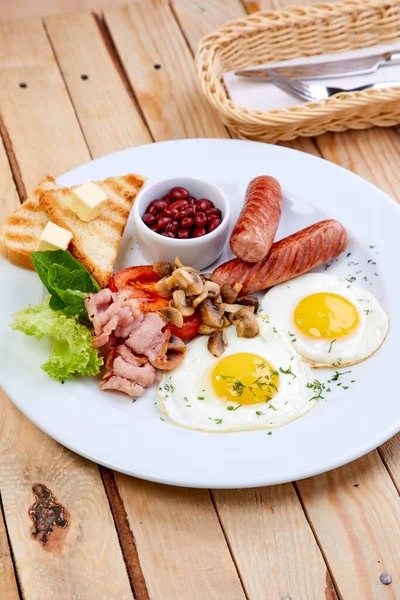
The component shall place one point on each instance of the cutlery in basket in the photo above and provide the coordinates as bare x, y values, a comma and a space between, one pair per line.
314, 92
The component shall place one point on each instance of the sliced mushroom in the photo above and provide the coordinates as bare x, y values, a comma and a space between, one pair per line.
228, 293
211, 314
175, 343
225, 321
178, 262
206, 329
172, 315
234, 308
211, 290
183, 278
181, 303
246, 323
163, 268
248, 301
217, 343
206, 276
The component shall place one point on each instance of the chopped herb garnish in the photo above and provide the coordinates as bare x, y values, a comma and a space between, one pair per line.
318, 388
365, 279
353, 381
274, 330
218, 421
198, 398
231, 407
372, 246
287, 372
238, 387
351, 279
330, 346
169, 388
261, 365
272, 407
338, 374
269, 433
371, 262
348, 254
162, 419
227, 377
345, 387
367, 311
259, 413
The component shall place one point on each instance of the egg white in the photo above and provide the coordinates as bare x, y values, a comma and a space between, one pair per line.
187, 396
280, 303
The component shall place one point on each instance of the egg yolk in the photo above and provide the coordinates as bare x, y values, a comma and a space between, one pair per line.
245, 378
326, 316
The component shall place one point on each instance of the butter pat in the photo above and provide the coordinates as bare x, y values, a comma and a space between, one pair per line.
87, 201
54, 237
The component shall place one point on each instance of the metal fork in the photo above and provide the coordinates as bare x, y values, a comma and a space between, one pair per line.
312, 93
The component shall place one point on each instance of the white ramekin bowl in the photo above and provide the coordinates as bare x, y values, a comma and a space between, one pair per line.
198, 253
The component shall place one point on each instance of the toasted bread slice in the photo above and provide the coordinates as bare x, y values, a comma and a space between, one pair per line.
95, 243
21, 231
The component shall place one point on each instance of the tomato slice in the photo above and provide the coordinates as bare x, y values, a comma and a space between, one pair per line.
189, 329
140, 282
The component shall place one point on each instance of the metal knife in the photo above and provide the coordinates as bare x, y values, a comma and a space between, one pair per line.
340, 68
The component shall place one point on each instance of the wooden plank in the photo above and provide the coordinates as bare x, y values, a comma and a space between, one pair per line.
371, 153
160, 69
8, 583
102, 102
355, 514
198, 18
181, 546
390, 453
32, 114
9, 199
81, 558
271, 542
19, 9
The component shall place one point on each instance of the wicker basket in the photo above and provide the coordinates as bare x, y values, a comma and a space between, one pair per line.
272, 36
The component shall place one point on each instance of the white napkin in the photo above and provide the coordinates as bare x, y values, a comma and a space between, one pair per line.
263, 95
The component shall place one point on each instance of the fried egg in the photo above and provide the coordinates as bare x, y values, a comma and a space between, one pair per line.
328, 320
257, 383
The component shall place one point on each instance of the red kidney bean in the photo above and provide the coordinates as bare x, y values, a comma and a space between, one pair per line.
154, 228
182, 214
151, 209
199, 232
174, 226
179, 205
200, 219
192, 200
183, 234
163, 222
204, 204
213, 224
160, 204
214, 212
168, 234
149, 219
178, 193
170, 212
187, 223
166, 198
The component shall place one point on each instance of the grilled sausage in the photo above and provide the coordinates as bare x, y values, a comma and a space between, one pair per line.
292, 256
255, 229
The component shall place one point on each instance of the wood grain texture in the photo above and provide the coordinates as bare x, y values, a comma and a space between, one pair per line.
103, 104
86, 561
355, 514
198, 18
181, 546
43, 142
390, 453
8, 583
18, 9
9, 199
272, 542
160, 69
372, 153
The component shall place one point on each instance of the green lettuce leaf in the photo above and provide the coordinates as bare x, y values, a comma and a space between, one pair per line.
72, 351
66, 279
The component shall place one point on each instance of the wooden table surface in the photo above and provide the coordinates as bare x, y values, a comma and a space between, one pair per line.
74, 87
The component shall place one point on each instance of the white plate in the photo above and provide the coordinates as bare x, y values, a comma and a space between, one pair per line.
130, 437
